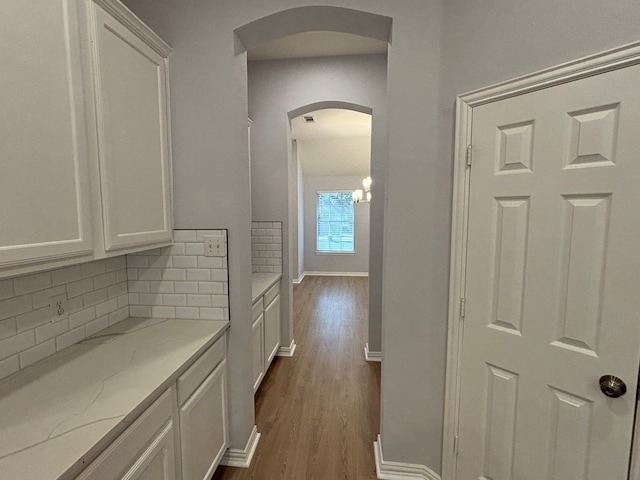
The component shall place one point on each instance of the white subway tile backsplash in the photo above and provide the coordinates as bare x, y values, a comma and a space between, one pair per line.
266, 247
79, 288
105, 280
161, 287
17, 343
182, 236
28, 332
139, 311
43, 297
186, 287
66, 275
185, 261
15, 306
118, 315
107, 307
6, 289
95, 297
34, 354
51, 330
174, 274
94, 326
188, 312
169, 282
31, 283
70, 338
93, 269
31, 320
116, 263
9, 366
8, 328
199, 274
163, 312
82, 317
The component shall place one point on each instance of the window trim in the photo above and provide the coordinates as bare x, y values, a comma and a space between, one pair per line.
334, 252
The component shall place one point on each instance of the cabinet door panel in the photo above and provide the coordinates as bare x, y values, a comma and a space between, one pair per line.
204, 433
157, 462
44, 182
258, 352
131, 104
271, 330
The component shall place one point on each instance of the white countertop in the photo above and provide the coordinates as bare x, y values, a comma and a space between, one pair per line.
261, 282
60, 413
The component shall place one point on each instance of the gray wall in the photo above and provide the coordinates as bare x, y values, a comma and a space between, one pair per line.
483, 42
209, 99
314, 262
280, 86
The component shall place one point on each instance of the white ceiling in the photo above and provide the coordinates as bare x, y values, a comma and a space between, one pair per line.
337, 143
317, 44
331, 123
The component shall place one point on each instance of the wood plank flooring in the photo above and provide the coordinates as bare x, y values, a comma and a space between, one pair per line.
319, 411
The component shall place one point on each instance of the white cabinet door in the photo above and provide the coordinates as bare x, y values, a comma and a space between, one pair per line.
258, 352
134, 155
44, 182
145, 451
271, 330
157, 462
203, 427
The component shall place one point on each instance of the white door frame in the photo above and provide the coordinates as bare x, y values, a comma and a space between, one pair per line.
606, 61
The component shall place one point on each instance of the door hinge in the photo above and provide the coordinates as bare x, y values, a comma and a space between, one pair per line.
469, 154
463, 307
456, 442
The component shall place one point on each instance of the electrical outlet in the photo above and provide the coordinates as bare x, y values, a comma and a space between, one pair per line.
58, 305
214, 246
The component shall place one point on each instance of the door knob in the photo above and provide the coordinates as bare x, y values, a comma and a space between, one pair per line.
612, 386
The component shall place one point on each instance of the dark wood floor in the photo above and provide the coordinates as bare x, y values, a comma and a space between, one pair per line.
319, 411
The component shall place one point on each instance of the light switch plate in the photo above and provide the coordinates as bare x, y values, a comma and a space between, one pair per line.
215, 246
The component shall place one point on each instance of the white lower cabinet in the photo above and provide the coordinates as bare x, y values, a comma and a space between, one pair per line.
146, 450
271, 330
152, 449
204, 434
266, 332
258, 351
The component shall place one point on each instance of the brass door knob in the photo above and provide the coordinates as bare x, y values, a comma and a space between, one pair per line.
612, 386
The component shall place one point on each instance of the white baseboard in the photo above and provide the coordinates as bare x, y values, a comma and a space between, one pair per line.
235, 457
400, 471
336, 274
299, 279
287, 351
371, 356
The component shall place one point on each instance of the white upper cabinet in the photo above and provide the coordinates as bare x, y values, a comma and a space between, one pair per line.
45, 210
85, 154
130, 82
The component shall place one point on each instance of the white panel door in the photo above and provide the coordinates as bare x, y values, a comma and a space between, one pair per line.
204, 434
44, 182
553, 283
131, 104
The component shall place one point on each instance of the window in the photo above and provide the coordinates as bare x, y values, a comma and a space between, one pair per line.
334, 232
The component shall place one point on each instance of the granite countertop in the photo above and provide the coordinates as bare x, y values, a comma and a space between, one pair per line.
57, 415
261, 282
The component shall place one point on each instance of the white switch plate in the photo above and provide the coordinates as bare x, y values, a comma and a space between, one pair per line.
215, 246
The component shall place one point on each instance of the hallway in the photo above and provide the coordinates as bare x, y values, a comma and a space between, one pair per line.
319, 411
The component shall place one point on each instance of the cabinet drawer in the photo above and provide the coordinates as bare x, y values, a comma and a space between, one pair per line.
150, 435
271, 294
257, 309
195, 375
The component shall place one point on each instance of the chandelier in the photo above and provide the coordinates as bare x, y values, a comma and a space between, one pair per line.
364, 195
